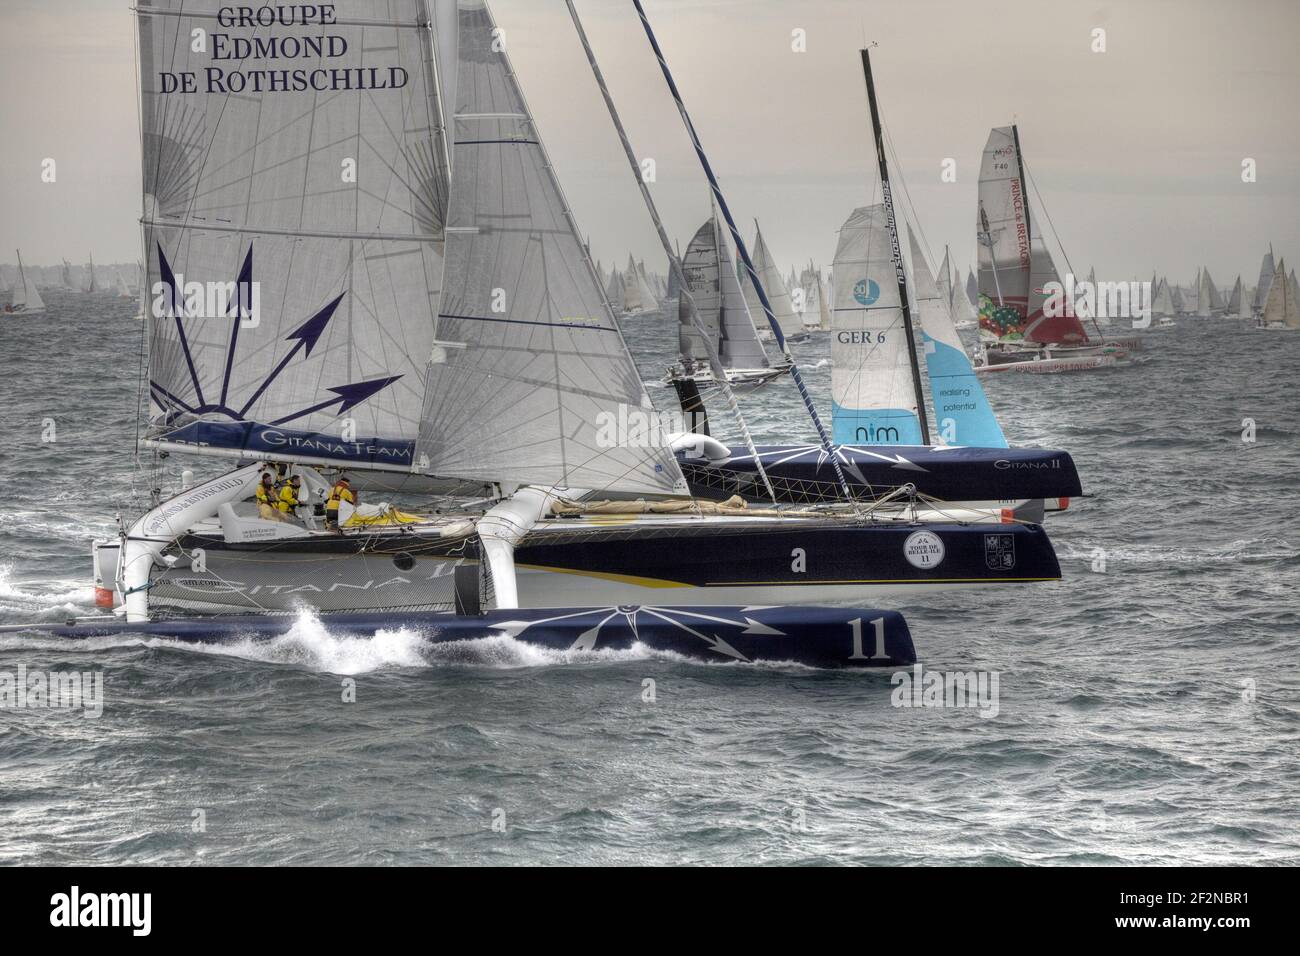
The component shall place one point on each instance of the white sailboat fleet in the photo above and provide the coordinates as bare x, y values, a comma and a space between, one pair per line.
454, 342
24, 298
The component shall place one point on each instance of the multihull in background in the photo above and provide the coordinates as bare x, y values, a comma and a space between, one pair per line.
1016, 274
801, 474
880, 415
387, 320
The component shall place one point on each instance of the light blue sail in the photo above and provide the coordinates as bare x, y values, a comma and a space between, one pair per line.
962, 413
874, 426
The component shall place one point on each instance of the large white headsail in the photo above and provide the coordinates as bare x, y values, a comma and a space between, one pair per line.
292, 223
1266, 270
530, 379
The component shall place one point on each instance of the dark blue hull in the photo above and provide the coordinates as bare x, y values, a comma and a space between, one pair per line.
814, 636
803, 474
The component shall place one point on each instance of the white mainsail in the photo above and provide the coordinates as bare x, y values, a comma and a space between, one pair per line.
293, 228
25, 297
1208, 300
816, 299
1002, 233
873, 394
1266, 270
530, 379
637, 295
773, 285
615, 292
1235, 299
1280, 308
1163, 301
713, 284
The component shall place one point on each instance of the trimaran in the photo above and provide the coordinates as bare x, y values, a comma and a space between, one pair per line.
432, 321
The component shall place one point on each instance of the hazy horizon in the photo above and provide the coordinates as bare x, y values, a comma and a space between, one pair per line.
1137, 151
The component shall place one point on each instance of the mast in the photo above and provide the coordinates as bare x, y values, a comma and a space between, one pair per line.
897, 251
744, 254
1024, 191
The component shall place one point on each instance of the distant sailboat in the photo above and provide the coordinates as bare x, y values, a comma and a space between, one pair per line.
782, 306
1280, 308
816, 298
724, 316
1017, 331
123, 291
615, 291
1162, 305
24, 299
1208, 300
93, 287
638, 297
1266, 270
1236, 301
67, 275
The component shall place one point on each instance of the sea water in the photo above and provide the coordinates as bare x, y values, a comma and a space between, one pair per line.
1148, 704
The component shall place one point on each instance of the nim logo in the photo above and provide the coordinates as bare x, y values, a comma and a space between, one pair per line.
866, 291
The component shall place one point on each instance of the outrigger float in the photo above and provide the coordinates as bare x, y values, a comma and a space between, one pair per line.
812, 636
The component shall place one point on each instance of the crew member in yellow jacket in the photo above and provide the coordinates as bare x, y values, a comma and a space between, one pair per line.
290, 496
342, 491
266, 498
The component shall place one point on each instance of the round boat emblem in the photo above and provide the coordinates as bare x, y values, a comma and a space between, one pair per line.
866, 291
923, 549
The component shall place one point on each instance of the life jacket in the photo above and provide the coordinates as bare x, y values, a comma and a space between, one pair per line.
264, 493
339, 493
288, 499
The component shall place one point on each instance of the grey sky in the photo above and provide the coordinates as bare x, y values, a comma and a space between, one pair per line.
1137, 151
